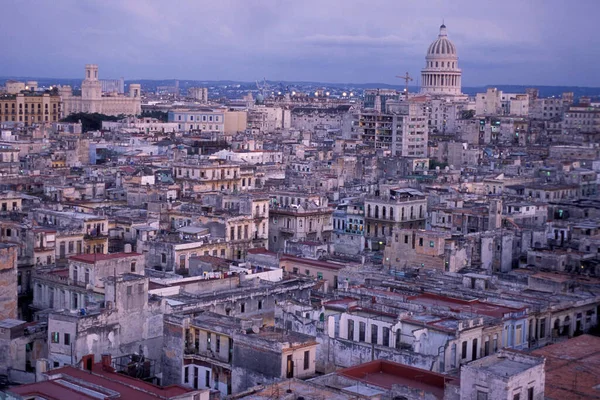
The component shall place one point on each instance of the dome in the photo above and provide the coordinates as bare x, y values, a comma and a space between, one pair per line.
442, 46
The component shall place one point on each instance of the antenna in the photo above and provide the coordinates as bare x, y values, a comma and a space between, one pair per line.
407, 78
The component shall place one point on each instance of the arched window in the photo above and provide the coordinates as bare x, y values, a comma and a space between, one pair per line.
391, 212
376, 211
383, 212
369, 210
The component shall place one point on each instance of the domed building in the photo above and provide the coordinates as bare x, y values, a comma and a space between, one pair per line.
441, 75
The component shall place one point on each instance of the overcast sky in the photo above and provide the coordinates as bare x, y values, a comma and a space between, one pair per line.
530, 42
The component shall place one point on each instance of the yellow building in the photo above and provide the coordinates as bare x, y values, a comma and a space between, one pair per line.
30, 108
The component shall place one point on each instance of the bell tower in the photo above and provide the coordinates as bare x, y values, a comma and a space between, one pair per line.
91, 87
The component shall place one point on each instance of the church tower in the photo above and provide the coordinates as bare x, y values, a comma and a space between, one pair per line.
91, 87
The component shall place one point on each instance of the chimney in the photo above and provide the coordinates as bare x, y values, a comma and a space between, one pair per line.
106, 362
41, 367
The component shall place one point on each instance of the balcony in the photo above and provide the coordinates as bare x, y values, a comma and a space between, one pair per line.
208, 356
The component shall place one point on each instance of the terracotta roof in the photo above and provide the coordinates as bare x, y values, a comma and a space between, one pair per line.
572, 368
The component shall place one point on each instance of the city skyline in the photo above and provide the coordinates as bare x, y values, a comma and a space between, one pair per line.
357, 42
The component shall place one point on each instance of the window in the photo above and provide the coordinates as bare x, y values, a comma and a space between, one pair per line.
386, 336
243, 307
218, 344
306, 360
464, 350
517, 396
133, 266
260, 304
421, 242
67, 339
542, 328
186, 377
207, 379
374, 334
405, 239
361, 331
518, 335
530, 393
482, 395
208, 340
129, 290
319, 276
350, 329
55, 337
431, 243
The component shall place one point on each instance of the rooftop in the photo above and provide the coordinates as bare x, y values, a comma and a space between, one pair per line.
74, 383
93, 258
386, 374
572, 368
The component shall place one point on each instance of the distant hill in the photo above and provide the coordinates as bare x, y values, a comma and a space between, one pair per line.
545, 91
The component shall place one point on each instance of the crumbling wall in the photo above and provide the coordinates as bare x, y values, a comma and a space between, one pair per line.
340, 353
172, 356
253, 366
8, 281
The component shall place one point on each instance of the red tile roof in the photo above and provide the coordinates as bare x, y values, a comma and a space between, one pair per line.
572, 368
127, 387
386, 374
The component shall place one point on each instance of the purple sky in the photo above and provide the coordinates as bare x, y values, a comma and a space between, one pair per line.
535, 42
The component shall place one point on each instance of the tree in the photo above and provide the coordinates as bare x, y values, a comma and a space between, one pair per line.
91, 122
467, 114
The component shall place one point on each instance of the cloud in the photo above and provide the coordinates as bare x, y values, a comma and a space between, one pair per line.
353, 40
358, 40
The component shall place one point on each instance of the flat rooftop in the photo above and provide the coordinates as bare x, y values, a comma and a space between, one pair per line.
386, 374
93, 258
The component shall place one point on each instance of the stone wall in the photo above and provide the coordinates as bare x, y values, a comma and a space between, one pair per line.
8, 281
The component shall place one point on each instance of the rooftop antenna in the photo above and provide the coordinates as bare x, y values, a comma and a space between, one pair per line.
407, 78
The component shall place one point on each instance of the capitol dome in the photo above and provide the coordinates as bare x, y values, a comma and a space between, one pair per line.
443, 45
441, 75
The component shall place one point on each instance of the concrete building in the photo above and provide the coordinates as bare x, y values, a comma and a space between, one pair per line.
215, 121
199, 93
441, 75
92, 100
297, 215
31, 108
505, 375
113, 85
308, 118
390, 208
232, 355
402, 129
127, 323
495, 102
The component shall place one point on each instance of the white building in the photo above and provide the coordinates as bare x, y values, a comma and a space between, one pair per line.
441, 75
140, 125
92, 100
199, 93
495, 102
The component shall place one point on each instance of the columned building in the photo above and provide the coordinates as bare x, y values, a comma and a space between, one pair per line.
93, 101
441, 75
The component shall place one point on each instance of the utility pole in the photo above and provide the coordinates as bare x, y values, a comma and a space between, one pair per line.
407, 78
